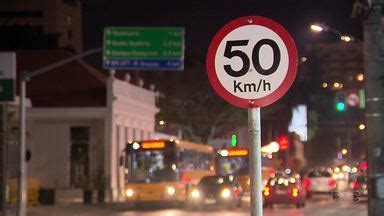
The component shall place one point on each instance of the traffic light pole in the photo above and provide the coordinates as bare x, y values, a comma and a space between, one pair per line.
374, 88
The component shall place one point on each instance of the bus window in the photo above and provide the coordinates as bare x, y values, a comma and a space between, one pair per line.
152, 166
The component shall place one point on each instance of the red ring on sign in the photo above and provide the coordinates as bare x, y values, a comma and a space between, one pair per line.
292, 62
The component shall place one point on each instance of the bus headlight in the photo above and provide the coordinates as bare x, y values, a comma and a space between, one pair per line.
129, 192
195, 194
171, 190
225, 193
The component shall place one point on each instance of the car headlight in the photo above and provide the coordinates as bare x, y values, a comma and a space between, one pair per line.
129, 192
195, 194
171, 190
225, 193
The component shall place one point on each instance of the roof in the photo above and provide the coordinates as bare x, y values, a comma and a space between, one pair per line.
74, 84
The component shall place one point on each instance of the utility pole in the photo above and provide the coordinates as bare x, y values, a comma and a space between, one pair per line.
374, 88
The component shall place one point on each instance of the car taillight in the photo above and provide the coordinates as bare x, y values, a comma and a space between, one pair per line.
307, 183
294, 192
332, 182
355, 185
266, 191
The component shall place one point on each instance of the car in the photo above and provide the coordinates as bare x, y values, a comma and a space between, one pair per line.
360, 187
215, 190
283, 189
320, 182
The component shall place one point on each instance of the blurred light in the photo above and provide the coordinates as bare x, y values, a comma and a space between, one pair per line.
161, 122
361, 126
360, 77
288, 171
174, 166
345, 38
335, 175
295, 192
231, 178
129, 192
337, 169
272, 147
325, 85
212, 168
135, 145
345, 168
195, 193
126, 171
224, 153
280, 181
341, 175
354, 170
225, 193
283, 142
303, 59
292, 180
234, 140
266, 191
171, 190
336, 85
317, 28
339, 155
364, 166
344, 151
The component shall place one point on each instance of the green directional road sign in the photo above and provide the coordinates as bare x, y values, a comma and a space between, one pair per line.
7, 76
143, 48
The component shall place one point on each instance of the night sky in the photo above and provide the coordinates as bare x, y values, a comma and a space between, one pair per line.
203, 18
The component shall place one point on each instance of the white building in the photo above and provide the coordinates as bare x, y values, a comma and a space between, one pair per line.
80, 120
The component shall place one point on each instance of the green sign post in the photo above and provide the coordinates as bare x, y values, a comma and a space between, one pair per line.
143, 48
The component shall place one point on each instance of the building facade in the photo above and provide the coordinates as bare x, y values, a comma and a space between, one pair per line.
78, 126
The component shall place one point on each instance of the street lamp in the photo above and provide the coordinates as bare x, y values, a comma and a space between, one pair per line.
318, 27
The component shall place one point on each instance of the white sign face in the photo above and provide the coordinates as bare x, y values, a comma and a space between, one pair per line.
7, 65
253, 84
252, 62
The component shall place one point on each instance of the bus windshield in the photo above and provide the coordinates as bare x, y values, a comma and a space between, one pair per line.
152, 166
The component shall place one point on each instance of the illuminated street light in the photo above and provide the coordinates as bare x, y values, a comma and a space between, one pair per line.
325, 85
161, 122
360, 77
317, 28
325, 28
346, 38
361, 126
344, 151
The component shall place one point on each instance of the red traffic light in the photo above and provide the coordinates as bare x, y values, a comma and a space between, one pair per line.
283, 142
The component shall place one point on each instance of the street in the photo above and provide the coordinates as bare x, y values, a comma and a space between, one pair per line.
315, 207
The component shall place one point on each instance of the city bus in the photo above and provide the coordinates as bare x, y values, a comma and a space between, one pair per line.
235, 161
163, 170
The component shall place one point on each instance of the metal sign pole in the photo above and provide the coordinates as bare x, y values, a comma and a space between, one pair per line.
22, 170
254, 128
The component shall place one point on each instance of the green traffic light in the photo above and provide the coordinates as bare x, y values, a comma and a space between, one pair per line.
340, 106
234, 140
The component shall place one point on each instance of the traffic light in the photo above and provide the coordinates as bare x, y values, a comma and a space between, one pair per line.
341, 101
234, 140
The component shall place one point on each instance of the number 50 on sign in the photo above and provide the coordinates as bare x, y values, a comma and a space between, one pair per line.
252, 62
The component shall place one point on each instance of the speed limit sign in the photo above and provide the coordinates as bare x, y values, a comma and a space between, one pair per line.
252, 62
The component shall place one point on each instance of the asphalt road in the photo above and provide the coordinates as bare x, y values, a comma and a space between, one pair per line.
314, 207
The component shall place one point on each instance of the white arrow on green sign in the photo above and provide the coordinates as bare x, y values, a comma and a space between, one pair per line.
143, 48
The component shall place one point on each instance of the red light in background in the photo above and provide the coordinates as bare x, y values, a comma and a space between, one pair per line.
331, 182
355, 185
364, 166
283, 142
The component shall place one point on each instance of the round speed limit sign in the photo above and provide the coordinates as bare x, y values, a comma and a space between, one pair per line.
252, 62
